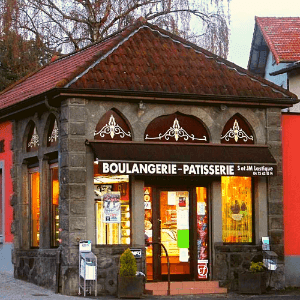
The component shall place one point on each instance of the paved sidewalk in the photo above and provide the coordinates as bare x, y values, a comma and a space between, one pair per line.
15, 289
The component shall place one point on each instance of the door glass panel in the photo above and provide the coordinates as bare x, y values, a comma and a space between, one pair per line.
174, 231
148, 231
202, 233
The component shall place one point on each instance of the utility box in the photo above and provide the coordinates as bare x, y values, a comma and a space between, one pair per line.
87, 268
88, 264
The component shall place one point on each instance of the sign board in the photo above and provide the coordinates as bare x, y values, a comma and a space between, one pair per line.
265, 243
202, 269
137, 253
85, 246
186, 169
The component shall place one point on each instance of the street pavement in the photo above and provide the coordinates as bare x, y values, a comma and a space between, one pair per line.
15, 289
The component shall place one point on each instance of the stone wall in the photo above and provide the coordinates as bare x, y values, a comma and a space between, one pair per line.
230, 260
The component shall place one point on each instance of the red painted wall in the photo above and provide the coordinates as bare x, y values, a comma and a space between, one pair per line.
291, 182
6, 135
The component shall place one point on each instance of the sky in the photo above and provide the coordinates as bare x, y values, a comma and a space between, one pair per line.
243, 13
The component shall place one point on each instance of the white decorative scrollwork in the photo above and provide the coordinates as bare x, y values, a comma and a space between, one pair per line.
54, 133
112, 128
35, 140
177, 132
236, 133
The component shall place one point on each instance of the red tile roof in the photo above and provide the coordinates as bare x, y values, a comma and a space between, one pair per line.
144, 58
282, 36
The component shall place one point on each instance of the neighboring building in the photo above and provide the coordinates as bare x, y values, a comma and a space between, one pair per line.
275, 46
6, 191
143, 134
275, 55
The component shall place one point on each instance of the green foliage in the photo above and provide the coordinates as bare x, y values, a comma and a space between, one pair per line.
256, 267
128, 265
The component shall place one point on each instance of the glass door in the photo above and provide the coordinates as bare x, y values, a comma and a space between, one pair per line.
179, 220
174, 234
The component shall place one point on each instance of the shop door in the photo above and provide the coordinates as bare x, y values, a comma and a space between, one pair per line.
174, 220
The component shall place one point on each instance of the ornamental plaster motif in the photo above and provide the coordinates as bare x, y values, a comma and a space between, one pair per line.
54, 134
177, 132
112, 129
35, 140
236, 133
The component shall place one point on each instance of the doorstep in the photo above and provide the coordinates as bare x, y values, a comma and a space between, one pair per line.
184, 288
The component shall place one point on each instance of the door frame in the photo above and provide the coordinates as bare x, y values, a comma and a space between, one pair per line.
181, 185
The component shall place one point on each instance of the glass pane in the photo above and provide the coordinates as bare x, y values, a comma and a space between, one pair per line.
237, 209
55, 210
148, 204
174, 215
112, 208
35, 208
202, 232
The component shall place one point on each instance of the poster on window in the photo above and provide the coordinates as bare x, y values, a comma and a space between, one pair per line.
111, 207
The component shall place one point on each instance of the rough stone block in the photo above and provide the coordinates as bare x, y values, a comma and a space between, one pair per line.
276, 193
77, 145
77, 191
77, 176
276, 223
274, 135
273, 120
77, 160
78, 113
64, 191
64, 129
77, 128
76, 101
77, 224
275, 208
78, 208
276, 237
235, 260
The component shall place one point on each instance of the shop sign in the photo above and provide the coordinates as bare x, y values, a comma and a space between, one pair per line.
186, 169
137, 253
202, 269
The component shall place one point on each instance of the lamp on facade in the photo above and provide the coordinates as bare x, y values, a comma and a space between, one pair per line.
141, 109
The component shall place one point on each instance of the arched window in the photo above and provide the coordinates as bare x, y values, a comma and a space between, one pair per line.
33, 140
112, 126
237, 131
176, 127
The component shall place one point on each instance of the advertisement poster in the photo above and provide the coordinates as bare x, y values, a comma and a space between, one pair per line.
111, 208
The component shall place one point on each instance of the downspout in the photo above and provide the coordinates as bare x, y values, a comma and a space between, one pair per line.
51, 108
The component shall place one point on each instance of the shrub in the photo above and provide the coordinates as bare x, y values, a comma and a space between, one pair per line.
256, 267
127, 264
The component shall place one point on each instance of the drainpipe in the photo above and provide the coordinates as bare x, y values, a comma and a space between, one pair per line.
58, 261
51, 108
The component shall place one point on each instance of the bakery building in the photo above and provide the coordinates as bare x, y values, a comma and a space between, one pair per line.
140, 140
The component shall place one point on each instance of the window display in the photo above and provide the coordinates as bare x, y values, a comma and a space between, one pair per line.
237, 209
112, 208
54, 203
34, 181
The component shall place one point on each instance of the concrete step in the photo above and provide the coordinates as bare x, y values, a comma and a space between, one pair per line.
184, 288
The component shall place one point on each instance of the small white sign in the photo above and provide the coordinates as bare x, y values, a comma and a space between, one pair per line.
171, 198
182, 219
183, 254
201, 208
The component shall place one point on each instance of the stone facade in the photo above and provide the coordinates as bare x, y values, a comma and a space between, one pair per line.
77, 119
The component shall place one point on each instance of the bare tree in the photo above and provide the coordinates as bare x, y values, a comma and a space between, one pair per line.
72, 24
